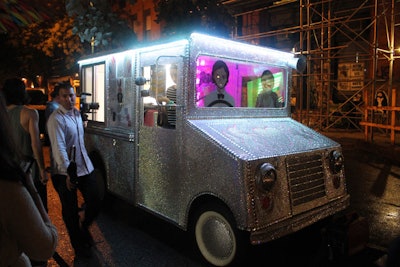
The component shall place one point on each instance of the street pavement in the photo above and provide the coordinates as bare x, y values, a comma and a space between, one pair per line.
373, 180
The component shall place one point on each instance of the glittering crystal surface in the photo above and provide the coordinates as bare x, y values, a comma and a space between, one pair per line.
213, 153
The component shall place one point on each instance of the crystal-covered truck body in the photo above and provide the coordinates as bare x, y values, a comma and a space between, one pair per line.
231, 174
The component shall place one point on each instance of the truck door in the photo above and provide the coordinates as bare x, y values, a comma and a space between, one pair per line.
159, 147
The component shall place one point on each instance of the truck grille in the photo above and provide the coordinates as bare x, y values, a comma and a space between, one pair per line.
306, 178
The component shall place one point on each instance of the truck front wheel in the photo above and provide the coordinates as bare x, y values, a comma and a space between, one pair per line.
216, 236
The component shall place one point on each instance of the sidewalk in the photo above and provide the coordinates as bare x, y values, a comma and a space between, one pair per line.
380, 144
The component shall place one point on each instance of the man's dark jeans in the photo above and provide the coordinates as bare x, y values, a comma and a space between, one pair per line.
88, 187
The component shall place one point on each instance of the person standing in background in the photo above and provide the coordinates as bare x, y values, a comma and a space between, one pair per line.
66, 133
53, 103
25, 125
50, 107
26, 231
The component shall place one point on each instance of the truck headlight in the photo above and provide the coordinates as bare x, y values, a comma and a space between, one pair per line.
266, 176
336, 161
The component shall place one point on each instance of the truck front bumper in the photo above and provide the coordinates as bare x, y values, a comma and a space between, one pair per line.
298, 222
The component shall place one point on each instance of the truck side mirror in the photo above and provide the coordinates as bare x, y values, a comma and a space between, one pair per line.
299, 63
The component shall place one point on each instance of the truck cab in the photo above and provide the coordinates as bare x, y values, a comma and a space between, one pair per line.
227, 169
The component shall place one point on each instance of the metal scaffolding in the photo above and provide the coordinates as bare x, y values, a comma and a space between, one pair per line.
350, 50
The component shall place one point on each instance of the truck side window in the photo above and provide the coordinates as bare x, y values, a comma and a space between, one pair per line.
93, 77
160, 106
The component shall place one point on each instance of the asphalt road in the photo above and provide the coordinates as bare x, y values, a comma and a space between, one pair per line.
127, 236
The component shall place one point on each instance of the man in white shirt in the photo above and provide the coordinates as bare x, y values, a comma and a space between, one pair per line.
66, 133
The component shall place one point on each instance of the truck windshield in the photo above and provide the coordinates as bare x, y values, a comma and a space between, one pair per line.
231, 83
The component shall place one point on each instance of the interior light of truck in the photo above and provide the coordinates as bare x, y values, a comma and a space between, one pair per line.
266, 176
335, 161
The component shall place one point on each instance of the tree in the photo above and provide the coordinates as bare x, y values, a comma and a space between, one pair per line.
51, 47
9, 59
183, 17
97, 26
56, 42
45, 48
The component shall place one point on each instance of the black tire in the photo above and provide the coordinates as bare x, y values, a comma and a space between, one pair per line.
216, 236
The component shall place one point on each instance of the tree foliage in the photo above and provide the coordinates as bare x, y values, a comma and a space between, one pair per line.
46, 48
97, 26
183, 17
9, 59
59, 42
53, 46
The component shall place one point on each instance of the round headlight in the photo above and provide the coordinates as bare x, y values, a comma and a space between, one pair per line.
266, 176
336, 161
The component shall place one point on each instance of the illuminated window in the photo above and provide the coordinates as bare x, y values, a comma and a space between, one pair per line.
93, 90
243, 86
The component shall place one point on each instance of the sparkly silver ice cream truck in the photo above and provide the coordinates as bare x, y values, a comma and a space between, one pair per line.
229, 172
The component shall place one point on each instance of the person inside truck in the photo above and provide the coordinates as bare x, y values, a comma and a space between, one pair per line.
167, 118
220, 77
268, 98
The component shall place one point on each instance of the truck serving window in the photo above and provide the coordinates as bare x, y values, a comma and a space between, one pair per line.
93, 91
162, 94
228, 83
